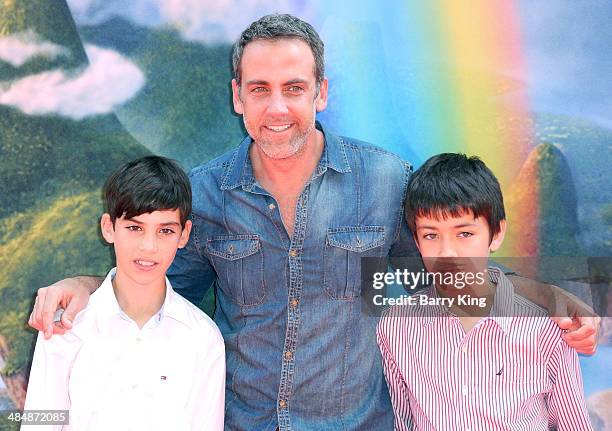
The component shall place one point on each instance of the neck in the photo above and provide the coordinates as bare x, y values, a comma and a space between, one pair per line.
292, 171
139, 301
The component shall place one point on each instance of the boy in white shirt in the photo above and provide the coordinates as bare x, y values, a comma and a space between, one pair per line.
139, 357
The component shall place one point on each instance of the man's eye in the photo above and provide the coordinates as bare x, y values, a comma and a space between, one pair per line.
465, 234
133, 228
259, 90
429, 236
295, 89
166, 231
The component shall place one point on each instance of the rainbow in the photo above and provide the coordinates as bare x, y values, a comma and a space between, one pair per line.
420, 78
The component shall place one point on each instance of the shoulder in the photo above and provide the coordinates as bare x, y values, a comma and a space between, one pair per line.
525, 307
63, 347
207, 180
199, 323
533, 322
213, 168
372, 153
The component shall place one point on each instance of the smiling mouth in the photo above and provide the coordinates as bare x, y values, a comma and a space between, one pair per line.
145, 264
278, 129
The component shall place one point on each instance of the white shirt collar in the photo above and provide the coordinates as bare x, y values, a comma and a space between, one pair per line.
106, 307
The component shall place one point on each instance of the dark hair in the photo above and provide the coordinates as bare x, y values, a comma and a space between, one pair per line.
145, 185
449, 184
281, 26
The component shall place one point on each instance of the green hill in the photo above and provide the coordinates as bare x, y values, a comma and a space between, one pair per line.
541, 205
43, 157
51, 170
51, 20
57, 241
184, 110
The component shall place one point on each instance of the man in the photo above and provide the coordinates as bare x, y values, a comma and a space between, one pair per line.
279, 227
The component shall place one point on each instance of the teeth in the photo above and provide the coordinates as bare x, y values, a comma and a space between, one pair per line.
145, 263
279, 128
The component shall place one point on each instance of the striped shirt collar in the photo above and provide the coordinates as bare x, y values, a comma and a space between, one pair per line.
501, 311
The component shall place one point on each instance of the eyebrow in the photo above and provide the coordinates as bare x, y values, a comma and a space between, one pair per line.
257, 82
459, 226
296, 81
264, 82
168, 223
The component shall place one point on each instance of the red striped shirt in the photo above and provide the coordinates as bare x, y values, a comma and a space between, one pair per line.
512, 371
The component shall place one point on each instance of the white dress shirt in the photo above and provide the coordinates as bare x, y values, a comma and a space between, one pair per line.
112, 375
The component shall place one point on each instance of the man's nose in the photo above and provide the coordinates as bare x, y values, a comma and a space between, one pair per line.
278, 104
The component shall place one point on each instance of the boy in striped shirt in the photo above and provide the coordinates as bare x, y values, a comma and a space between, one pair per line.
470, 354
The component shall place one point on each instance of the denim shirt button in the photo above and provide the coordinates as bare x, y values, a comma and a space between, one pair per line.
282, 404
293, 303
293, 253
288, 355
271, 206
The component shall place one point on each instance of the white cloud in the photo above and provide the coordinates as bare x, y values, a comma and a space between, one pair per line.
209, 21
107, 82
18, 48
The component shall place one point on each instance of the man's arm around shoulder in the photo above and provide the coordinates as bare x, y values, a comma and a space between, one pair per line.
71, 295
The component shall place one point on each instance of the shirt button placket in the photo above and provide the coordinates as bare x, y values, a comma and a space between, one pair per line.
293, 311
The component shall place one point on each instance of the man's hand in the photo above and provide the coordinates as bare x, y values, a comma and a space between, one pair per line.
71, 294
571, 314
581, 325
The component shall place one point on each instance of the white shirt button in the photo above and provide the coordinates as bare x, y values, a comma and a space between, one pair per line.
464, 390
464, 348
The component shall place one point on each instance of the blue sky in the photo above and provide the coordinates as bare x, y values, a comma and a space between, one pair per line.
568, 47
566, 42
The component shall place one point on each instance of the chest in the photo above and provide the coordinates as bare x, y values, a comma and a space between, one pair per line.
111, 374
286, 204
483, 361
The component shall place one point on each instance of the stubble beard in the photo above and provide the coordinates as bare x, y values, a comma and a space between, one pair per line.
284, 150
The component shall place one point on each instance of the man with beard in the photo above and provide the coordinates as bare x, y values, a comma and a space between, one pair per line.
279, 227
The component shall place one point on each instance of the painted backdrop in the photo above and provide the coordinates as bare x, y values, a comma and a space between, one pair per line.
88, 84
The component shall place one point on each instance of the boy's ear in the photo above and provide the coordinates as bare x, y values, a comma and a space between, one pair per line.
108, 230
498, 238
185, 234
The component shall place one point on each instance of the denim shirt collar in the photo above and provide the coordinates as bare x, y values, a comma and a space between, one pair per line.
239, 172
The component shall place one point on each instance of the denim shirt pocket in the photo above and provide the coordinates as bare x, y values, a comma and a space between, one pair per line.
238, 260
344, 247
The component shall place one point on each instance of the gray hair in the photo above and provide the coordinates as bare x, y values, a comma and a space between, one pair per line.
280, 26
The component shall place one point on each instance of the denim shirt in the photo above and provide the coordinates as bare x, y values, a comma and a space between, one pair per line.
301, 355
